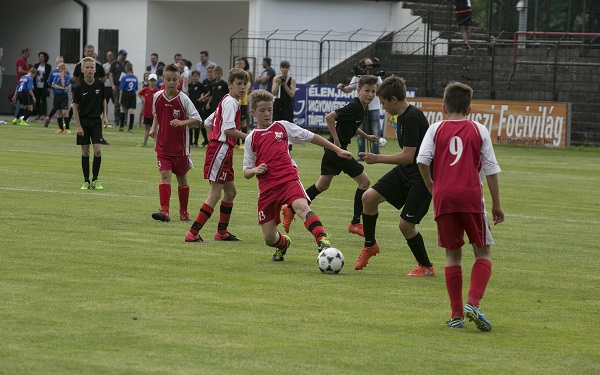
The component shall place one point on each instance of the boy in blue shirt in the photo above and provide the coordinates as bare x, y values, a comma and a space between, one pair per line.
60, 88
24, 94
128, 88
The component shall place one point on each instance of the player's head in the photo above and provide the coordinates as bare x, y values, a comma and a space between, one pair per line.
171, 78
32, 72
195, 75
88, 66
152, 78
391, 92
366, 89
209, 71
59, 60
218, 73
129, 68
62, 67
262, 107
457, 98
237, 80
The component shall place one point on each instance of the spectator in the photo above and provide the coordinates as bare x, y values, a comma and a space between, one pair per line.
41, 89
22, 69
108, 92
154, 63
88, 51
116, 69
53, 73
462, 10
203, 64
266, 78
1, 67
218, 89
242, 63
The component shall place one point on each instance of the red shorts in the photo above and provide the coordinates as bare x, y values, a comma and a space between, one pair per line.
179, 165
452, 227
218, 165
270, 201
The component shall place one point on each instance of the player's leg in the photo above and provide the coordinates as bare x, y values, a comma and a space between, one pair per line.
320, 186
355, 225
205, 212
225, 209
415, 208
96, 138
164, 191
312, 222
85, 163
454, 283
276, 239
371, 200
183, 192
373, 118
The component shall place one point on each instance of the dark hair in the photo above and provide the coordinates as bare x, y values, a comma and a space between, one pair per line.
204, 53
160, 71
392, 86
367, 80
457, 97
284, 64
46, 56
154, 54
237, 73
25, 50
171, 68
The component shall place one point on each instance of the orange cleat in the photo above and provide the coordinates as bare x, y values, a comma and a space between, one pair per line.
365, 254
356, 229
288, 217
421, 271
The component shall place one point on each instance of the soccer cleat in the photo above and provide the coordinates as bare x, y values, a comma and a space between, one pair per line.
184, 216
288, 217
15, 121
457, 322
68, 131
421, 271
242, 146
96, 185
225, 237
356, 229
365, 254
476, 315
103, 141
85, 186
280, 253
161, 215
24, 123
46, 122
59, 131
324, 243
190, 237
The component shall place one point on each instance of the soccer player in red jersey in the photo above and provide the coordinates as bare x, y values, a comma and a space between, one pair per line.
173, 113
224, 127
147, 96
266, 156
460, 150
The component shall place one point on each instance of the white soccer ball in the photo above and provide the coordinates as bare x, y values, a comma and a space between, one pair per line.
330, 261
382, 142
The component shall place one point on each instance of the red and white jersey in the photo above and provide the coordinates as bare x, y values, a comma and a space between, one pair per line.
270, 146
460, 150
226, 116
170, 140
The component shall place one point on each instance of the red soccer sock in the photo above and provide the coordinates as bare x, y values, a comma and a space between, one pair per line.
314, 226
184, 197
203, 215
480, 275
164, 194
224, 216
454, 282
281, 243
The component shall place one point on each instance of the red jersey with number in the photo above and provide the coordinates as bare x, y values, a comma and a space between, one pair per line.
226, 116
460, 150
147, 95
171, 140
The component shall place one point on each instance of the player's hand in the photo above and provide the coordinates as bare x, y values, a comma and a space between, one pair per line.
345, 154
152, 133
498, 215
80, 131
372, 138
105, 122
175, 123
261, 169
368, 157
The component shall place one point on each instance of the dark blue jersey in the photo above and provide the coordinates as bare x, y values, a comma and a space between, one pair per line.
57, 81
25, 84
129, 82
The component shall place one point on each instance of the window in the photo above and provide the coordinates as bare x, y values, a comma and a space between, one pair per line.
108, 40
70, 45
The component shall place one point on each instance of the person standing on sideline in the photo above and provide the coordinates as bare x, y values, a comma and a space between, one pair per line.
266, 77
60, 88
53, 73
371, 122
267, 157
41, 87
462, 11
88, 106
195, 89
218, 164
173, 113
108, 92
116, 69
154, 63
1, 67
147, 96
284, 89
203, 64
127, 88
403, 186
25, 96
343, 124
22, 69
460, 149
242, 63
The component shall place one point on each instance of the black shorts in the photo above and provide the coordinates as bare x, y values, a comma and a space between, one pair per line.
108, 94
92, 131
61, 101
148, 121
128, 100
331, 164
413, 199
243, 112
463, 19
24, 98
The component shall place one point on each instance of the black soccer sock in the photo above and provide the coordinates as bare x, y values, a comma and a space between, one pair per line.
358, 206
369, 224
20, 113
60, 124
122, 119
96, 167
52, 112
85, 166
312, 192
131, 120
70, 116
26, 114
417, 246
67, 120
204, 135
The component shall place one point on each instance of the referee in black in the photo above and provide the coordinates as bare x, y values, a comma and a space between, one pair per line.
89, 110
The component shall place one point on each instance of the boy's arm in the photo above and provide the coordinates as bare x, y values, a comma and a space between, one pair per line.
497, 213
370, 137
235, 133
153, 128
320, 141
76, 117
330, 118
426, 173
104, 113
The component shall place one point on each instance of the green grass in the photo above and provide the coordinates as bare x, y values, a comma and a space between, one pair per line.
90, 284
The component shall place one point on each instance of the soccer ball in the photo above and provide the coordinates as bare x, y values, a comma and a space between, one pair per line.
330, 261
382, 142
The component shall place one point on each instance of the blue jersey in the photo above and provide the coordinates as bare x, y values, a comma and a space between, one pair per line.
129, 82
57, 81
25, 84
159, 83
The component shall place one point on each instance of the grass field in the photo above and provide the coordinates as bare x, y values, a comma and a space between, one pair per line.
90, 284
